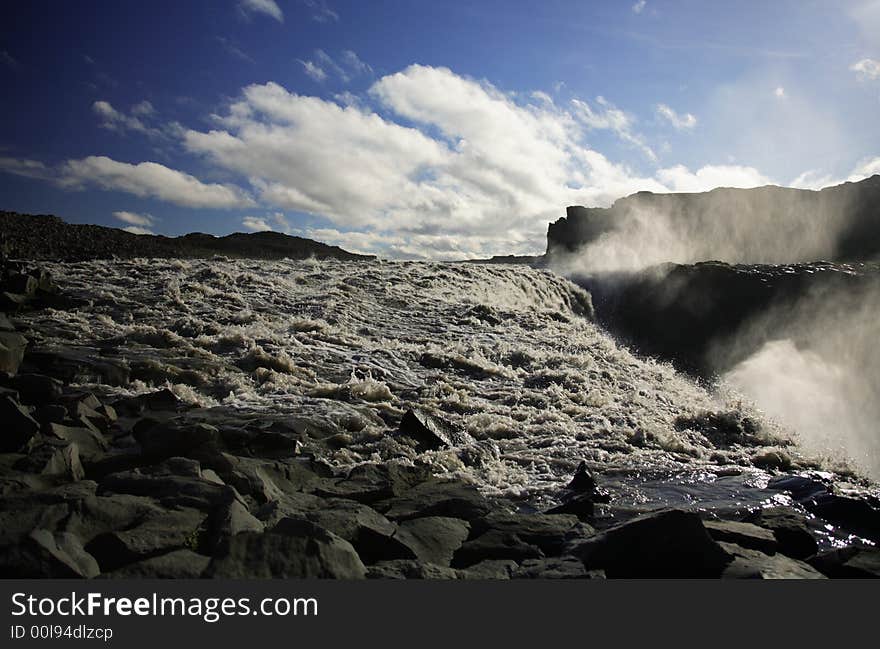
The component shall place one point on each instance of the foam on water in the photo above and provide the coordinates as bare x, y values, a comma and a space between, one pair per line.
506, 353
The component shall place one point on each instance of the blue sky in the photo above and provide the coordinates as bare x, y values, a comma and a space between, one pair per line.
422, 129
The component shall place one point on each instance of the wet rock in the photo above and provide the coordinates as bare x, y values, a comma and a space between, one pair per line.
745, 535
230, 520
65, 462
848, 563
583, 506
432, 539
18, 426
172, 530
790, 529
554, 568
431, 433
77, 366
437, 498
292, 549
44, 555
169, 488
583, 480
34, 389
90, 443
174, 438
410, 569
546, 531
179, 564
94, 515
490, 569
665, 544
852, 514
373, 536
12, 347
495, 544
752, 564
370, 483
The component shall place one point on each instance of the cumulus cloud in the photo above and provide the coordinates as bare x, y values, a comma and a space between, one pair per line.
679, 121
133, 218
867, 69
639, 7
680, 179
779, 92
148, 179
607, 116
255, 224
265, 7
815, 179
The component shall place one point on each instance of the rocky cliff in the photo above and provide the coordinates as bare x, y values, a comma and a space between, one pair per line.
761, 225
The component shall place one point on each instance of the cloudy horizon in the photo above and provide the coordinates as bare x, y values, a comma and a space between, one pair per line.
300, 123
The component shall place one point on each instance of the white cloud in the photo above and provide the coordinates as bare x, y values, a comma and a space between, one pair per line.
133, 218
256, 224
867, 69
113, 120
323, 65
680, 179
353, 62
313, 70
136, 229
149, 179
680, 121
143, 108
266, 7
321, 11
639, 6
608, 116
814, 179
779, 92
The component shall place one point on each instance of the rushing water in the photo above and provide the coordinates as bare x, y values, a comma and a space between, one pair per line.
507, 353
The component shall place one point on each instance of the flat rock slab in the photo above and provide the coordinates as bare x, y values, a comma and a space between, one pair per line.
410, 569
433, 539
790, 529
180, 564
547, 531
437, 498
495, 544
292, 549
746, 535
752, 564
555, 568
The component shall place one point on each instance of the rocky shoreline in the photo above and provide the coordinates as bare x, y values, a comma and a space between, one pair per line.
148, 486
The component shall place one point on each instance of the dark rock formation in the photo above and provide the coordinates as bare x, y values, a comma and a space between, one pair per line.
34, 237
688, 314
753, 218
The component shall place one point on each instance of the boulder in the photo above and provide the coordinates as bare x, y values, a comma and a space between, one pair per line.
848, 563
12, 346
373, 536
44, 555
174, 438
18, 426
495, 544
171, 530
490, 569
292, 549
667, 544
547, 531
752, 564
583, 480
790, 529
746, 535
35, 389
179, 564
437, 497
370, 483
432, 539
65, 462
431, 433
410, 569
555, 568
